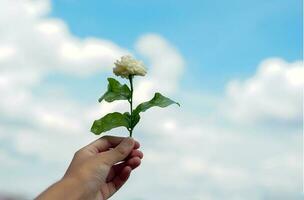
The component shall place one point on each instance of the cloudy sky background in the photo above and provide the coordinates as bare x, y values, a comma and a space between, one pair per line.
235, 66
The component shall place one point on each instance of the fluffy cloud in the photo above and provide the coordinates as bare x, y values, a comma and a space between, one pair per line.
33, 34
273, 94
165, 66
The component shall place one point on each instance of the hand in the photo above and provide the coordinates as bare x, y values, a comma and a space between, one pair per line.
94, 165
96, 171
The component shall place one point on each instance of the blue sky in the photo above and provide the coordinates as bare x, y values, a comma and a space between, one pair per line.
235, 66
220, 40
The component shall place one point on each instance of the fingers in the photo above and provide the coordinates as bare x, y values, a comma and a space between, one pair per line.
124, 174
135, 153
118, 181
133, 162
119, 153
120, 173
137, 145
106, 142
122, 178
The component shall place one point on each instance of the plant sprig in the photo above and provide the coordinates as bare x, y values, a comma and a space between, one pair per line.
126, 68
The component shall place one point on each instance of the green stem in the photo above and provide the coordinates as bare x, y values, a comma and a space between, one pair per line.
131, 102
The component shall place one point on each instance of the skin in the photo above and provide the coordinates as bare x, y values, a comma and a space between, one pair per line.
97, 171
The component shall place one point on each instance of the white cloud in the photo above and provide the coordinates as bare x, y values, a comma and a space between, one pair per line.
165, 64
7, 51
36, 8
49, 41
273, 94
165, 60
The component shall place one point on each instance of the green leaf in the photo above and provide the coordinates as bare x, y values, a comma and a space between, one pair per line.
110, 121
158, 100
116, 91
128, 117
135, 120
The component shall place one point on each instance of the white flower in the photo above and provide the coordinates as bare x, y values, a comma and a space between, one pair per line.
129, 66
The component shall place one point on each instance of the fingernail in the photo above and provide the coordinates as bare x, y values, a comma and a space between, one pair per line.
128, 142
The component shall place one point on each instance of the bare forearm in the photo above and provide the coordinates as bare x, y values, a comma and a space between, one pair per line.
66, 189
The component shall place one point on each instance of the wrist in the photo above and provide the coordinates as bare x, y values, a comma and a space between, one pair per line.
76, 189
67, 188
73, 189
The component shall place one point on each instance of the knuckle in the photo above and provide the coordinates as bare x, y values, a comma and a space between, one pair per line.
106, 137
120, 151
79, 152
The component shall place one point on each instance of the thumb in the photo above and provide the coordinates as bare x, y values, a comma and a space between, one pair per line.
119, 153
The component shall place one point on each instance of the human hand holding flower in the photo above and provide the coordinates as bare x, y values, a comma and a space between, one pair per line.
97, 170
